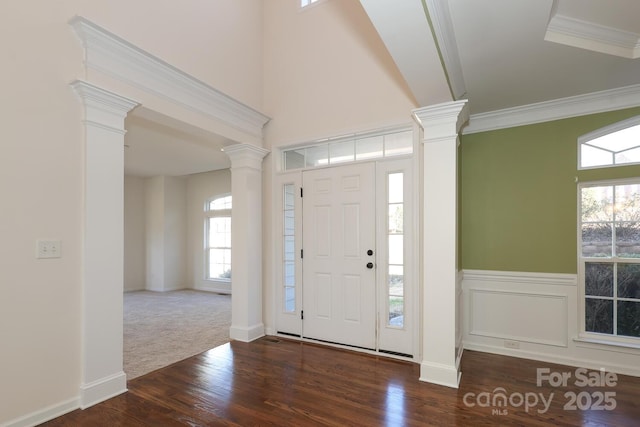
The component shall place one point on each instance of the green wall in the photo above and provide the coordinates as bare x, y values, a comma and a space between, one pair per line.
519, 194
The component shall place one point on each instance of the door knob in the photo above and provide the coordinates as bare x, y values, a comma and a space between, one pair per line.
369, 265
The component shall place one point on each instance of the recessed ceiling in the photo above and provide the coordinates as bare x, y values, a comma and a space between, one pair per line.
610, 27
157, 145
507, 63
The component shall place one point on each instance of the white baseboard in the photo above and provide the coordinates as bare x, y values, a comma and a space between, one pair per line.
212, 288
552, 358
46, 414
434, 373
102, 389
249, 334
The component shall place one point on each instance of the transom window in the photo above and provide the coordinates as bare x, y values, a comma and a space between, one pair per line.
350, 148
305, 3
618, 144
610, 257
218, 238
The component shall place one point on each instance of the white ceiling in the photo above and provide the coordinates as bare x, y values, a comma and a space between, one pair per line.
506, 61
158, 145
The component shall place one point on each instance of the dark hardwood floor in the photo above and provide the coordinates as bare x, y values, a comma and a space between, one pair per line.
287, 383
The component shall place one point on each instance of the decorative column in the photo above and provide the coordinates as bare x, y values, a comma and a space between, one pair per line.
441, 343
103, 246
246, 241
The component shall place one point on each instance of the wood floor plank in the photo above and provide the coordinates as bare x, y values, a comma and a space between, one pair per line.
279, 382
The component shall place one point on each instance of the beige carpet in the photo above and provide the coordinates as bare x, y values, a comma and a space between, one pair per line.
161, 328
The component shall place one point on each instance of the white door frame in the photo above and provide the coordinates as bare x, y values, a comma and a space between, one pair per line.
290, 323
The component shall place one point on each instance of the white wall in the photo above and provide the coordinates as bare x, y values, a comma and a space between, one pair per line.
41, 166
175, 229
165, 233
201, 187
134, 234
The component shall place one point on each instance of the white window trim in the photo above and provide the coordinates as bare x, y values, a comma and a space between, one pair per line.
585, 336
615, 127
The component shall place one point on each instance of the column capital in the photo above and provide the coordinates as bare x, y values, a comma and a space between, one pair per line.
442, 121
102, 107
245, 155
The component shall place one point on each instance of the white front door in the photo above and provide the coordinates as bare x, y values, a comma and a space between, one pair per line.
339, 273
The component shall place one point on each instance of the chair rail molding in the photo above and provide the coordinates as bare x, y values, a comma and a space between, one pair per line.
109, 54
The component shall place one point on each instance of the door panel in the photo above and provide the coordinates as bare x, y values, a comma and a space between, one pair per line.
339, 291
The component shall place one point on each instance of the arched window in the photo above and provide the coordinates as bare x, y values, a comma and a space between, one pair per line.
618, 144
218, 238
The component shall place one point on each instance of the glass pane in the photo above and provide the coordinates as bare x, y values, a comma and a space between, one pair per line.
598, 279
341, 152
289, 273
396, 218
396, 280
396, 187
628, 156
396, 311
596, 240
629, 281
289, 299
288, 196
627, 207
220, 232
597, 204
629, 318
592, 156
628, 240
220, 203
599, 315
398, 143
289, 223
369, 148
289, 248
619, 140
293, 159
396, 249
317, 156
220, 263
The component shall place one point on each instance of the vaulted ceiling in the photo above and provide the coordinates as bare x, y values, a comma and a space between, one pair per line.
498, 54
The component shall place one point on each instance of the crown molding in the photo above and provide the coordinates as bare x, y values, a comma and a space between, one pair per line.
563, 108
588, 35
117, 58
446, 40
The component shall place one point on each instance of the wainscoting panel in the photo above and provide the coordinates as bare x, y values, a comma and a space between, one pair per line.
519, 316
534, 316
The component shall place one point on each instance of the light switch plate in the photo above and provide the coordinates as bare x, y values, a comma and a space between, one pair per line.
48, 249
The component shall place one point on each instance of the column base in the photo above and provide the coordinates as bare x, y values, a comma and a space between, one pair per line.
435, 373
249, 334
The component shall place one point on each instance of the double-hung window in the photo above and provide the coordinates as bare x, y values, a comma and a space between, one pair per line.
218, 238
610, 257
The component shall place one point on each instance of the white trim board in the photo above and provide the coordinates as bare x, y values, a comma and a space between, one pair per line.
46, 414
116, 57
563, 108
